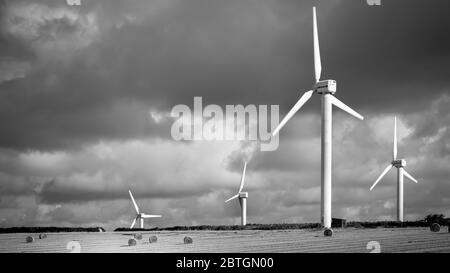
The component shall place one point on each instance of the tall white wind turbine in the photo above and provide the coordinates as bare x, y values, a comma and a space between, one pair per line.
400, 164
325, 88
140, 216
242, 198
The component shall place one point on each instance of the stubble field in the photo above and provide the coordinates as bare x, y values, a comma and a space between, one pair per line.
345, 240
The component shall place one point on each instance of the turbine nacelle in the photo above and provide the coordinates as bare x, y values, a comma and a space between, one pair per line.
325, 87
399, 163
243, 195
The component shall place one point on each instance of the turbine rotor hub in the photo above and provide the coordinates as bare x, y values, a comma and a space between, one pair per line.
325, 87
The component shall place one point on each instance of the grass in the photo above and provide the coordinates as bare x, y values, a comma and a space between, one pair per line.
235, 227
283, 226
49, 229
378, 224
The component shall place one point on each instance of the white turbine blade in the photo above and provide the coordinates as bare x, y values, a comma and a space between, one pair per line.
409, 176
151, 216
134, 202
306, 96
133, 223
241, 186
317, 61
344, 107
395, 139
381, 176
234, 197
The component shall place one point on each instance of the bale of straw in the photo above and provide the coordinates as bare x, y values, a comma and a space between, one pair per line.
131, 242
435, 227
29, 239
152, 239
138, 236
187, 240
328, 232
42, 236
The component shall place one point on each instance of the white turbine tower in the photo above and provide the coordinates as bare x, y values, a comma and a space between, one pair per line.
325, 88
242, 198
400, 164
140, 216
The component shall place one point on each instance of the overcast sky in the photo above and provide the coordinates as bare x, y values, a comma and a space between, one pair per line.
86, 92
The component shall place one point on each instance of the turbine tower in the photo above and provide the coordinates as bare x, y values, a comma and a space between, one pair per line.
242, 198
400, 164
140, 216
327, 89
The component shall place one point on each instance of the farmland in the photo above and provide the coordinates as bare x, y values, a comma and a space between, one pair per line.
415, 239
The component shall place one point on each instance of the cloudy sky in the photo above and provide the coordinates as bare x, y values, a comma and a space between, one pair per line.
86, 92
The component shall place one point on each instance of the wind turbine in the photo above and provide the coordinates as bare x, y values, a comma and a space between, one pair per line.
400, 164
140, 216
325, 88
242, 198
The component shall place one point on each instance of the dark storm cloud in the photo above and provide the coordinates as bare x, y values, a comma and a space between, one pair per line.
392, 58
55, 193
156, 55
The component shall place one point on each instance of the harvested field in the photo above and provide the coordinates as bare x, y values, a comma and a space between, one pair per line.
345, 240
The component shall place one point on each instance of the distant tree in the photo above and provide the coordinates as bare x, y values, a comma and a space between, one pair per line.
435, 218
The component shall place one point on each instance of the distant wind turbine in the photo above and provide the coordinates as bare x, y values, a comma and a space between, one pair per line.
242, 198
400, 164
140, 216
325, 88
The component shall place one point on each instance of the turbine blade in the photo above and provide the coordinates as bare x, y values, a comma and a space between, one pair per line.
306, 96
134, 202
241, 186
234, 197
344, 107
133, 223
409, 176
151, 216
317, 61
395, 139
381, 176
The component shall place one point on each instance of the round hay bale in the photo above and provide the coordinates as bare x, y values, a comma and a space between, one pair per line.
42, 236
131, 242
435, 227
138, 236
29, 239
328, 232
152, 239
187, 240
